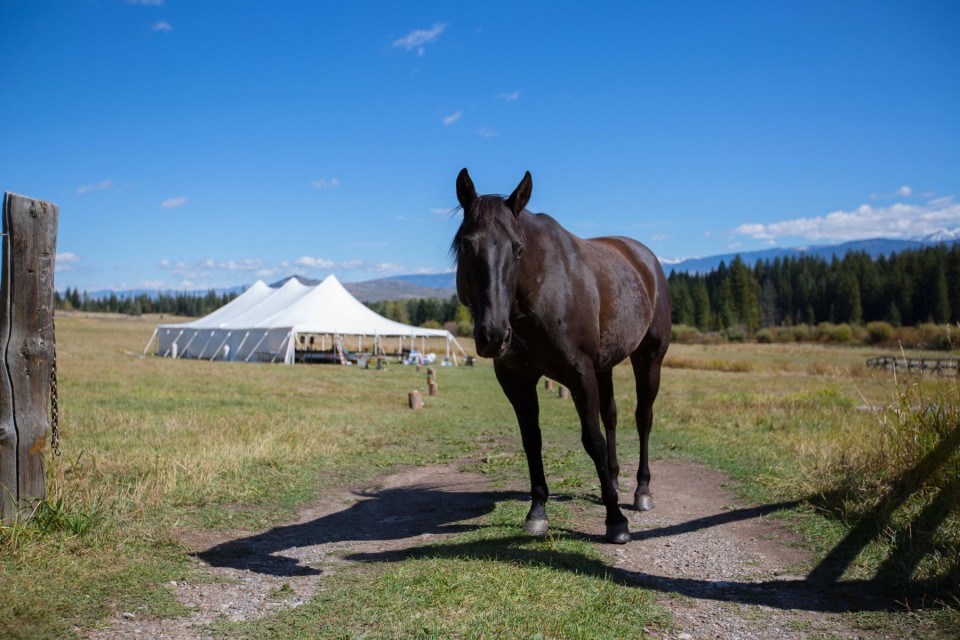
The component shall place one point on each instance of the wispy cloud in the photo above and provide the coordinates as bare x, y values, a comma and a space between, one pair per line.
487, 132
99, 186
174, 203
512, 96
453, 117
324, 183
66, 261
899, 220
146, 3
311, 262
418, 38
163, 26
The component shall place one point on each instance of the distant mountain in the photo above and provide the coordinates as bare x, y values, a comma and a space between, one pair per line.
125, 294
443, 285
399, 288
875, 247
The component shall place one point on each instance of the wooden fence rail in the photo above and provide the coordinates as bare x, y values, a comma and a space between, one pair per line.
26, 347
940, 366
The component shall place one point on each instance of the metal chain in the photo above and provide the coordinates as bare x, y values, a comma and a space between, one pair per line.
54, 406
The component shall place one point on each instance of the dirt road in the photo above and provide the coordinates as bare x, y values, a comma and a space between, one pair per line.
722, 569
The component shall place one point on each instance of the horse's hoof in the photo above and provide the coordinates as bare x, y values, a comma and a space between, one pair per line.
618, 533
536, 527
643, 503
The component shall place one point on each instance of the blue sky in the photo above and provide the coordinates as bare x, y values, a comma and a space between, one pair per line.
195, 144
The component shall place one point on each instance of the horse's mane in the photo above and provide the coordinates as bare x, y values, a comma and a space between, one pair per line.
483, 210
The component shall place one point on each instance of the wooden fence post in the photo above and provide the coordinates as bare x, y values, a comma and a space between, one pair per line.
26, 347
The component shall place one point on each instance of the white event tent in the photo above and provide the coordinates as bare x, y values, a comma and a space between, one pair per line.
262, 324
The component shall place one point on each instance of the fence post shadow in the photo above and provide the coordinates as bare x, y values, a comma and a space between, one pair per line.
910, 549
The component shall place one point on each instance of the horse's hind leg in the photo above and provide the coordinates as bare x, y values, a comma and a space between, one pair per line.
608, 415
522, 394
646, 361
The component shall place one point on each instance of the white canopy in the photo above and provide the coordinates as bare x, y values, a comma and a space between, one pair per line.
263, 322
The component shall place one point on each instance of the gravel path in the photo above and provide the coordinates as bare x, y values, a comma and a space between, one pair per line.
723, 570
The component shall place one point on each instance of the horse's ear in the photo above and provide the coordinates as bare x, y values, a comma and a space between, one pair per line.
466, 192
521, 196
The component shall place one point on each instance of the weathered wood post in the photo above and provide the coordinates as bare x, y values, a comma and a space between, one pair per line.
27, 348
415, 400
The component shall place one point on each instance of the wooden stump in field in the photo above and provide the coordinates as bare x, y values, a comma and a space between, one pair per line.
562, 392
27, 343
548, 384
432, 385
415, 400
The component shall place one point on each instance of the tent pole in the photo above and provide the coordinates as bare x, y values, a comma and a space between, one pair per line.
189, 342
254, 350
151, 340
206, 344
285, 342
214, 357
240, 346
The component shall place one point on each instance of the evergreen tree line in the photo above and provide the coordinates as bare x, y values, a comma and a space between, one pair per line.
907, 288
427, 312
904, 289
179, 304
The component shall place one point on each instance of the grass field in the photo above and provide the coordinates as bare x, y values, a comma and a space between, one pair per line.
152, 447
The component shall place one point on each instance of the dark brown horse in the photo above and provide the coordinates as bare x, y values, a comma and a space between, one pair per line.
547, 303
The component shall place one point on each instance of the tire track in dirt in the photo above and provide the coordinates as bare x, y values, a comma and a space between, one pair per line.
722, 570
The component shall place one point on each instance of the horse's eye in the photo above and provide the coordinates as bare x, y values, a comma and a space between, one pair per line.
520, 249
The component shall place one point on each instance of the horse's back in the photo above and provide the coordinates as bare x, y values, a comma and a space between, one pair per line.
636, 286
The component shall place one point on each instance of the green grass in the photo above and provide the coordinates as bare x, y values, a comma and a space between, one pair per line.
153, 447
491, 582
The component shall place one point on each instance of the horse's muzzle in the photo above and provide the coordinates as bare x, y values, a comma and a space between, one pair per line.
492, 343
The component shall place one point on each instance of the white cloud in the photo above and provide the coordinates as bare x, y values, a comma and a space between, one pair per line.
416, 39
487, 133
174, 203
163, 26
66, 261
324, 183
441, 211
659, 237
513, 96
385, 267
146, 3
99, 186
898, 220
905, 191
314, 263
453, 117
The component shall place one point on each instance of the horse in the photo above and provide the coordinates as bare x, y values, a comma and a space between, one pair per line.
548, 303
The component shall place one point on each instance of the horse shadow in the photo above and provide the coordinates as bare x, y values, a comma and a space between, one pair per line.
377, 516
424, 511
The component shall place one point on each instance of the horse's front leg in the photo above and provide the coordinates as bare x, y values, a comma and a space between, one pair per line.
586, 397
521, 391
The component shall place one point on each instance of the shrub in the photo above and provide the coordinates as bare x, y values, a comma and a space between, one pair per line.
802, 333
465, 328
684, 334
934, 336
879, 332
736, 333
764, 336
